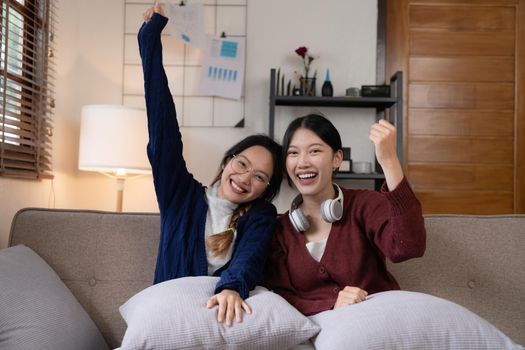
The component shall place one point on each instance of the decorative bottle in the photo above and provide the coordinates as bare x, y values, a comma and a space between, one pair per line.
327, 89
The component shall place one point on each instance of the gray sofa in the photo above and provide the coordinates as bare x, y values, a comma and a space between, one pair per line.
105, 258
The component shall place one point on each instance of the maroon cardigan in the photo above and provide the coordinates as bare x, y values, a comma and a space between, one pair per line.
374, 225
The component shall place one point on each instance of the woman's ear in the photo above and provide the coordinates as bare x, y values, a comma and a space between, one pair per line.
337, 160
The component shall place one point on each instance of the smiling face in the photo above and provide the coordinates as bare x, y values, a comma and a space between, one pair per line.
310, 163
244, 187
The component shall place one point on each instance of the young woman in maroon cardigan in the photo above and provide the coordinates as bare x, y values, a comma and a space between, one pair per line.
330, 248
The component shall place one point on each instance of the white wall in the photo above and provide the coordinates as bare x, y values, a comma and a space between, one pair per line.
329, 29
89, 71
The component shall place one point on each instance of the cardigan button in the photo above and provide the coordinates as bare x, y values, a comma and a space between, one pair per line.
322, 270
92, 282
336, 290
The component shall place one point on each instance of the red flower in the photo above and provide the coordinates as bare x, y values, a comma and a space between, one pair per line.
306, 57
301, 51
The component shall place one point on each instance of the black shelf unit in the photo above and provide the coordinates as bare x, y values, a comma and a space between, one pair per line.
393, 104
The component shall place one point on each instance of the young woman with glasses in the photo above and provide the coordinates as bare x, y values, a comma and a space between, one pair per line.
223, 230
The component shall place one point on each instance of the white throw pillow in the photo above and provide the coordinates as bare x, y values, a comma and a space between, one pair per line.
406, 320
173, 315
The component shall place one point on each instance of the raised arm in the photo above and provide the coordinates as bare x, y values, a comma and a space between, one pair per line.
393, 220
170, 174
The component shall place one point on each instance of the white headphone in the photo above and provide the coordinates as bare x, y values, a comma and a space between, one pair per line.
331, 211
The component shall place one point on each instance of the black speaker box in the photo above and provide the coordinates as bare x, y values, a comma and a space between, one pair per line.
375, 90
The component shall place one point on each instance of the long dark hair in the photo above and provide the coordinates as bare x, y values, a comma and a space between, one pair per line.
275, 150
319, 125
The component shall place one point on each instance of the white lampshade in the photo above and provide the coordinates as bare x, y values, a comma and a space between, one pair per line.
113, 139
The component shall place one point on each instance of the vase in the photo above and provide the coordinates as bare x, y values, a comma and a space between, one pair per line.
307, 86
327, 89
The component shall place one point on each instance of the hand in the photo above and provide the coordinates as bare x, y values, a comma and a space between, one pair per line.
154, 9
350, 295
230, 304
383, 135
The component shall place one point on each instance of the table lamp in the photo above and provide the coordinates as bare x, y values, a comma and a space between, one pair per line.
113, 141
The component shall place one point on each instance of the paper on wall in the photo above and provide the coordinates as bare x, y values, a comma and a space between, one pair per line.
187, 23
222, 70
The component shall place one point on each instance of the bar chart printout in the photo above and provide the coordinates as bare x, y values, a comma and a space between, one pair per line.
222, 70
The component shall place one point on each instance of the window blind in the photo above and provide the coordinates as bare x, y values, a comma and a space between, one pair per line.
26, 87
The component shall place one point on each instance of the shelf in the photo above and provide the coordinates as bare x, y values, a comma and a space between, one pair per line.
343, 101
345, 175
392, 106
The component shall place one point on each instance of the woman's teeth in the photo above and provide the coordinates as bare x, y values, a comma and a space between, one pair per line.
306, 176
237, 188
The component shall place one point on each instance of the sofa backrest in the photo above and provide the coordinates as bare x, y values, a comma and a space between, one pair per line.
105, 258
477, 262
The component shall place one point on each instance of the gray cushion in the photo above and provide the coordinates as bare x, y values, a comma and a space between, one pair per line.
37, 311
406, 320
173, 315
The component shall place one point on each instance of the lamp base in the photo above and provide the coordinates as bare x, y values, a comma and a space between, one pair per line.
121, 179
120, 192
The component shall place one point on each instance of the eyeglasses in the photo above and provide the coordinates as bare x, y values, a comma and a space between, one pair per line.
241, 165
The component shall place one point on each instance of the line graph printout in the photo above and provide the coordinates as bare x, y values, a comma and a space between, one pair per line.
222, 70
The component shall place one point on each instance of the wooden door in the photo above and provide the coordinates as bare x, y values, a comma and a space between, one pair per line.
464, 109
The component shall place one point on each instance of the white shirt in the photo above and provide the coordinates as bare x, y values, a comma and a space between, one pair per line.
316, 249
217, 221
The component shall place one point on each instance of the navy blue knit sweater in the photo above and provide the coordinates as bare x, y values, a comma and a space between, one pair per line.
182, 199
